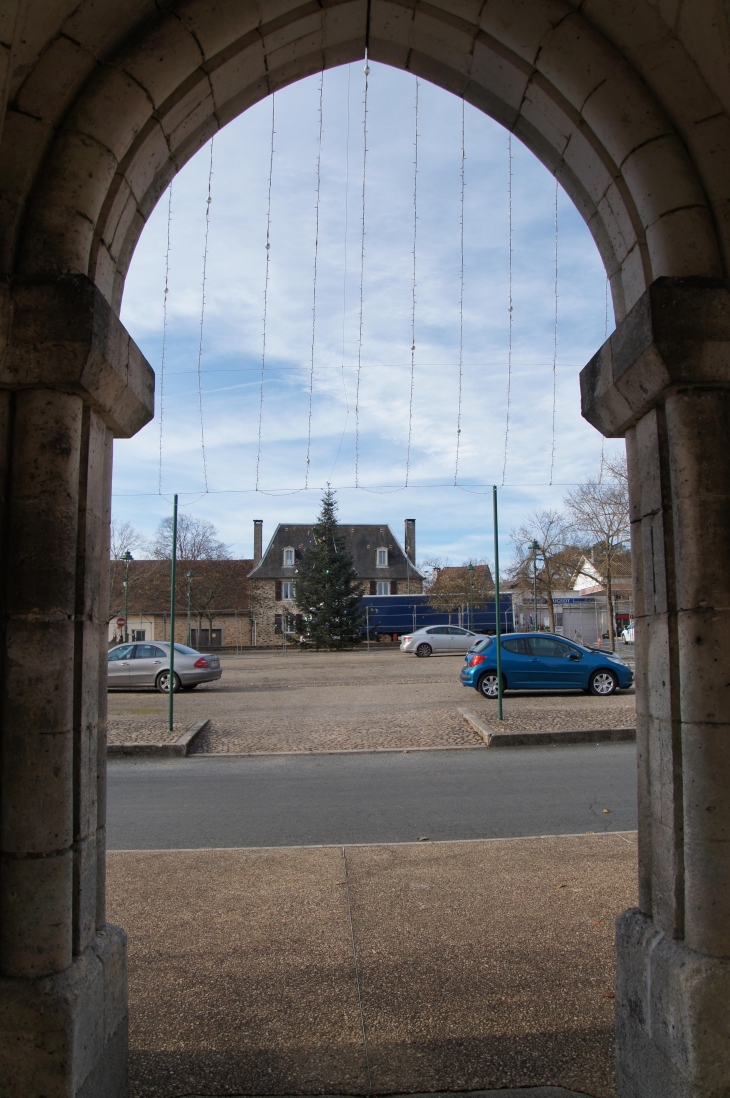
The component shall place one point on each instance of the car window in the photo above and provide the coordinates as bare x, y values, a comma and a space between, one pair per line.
456, 632
123, 653
549, 647
145, 651
159, 653
520, 646
481, 645
441, 629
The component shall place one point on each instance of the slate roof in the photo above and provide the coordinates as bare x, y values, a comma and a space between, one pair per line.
363, 540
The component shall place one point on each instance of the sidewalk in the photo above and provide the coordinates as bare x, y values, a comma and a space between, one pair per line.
410, 968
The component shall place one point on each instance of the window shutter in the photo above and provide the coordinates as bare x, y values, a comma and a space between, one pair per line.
277, 593
394, 587
373, 587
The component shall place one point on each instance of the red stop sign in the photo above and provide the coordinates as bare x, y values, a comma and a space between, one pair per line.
120, 621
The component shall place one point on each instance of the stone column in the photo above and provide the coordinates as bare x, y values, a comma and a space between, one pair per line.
70, 380
663, 381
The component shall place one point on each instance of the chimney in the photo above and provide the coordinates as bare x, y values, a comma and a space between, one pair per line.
258, 541
410, 540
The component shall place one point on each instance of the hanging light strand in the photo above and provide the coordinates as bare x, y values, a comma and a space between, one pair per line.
461, 294
555, 339
266, 286
164, 332
509, 314
202, 316
362, 270
314, 280
413, 286
344, 275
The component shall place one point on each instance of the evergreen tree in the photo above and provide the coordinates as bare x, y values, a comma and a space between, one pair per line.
328, 590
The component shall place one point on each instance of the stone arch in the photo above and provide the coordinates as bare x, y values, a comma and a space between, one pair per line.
628, 103
545, 73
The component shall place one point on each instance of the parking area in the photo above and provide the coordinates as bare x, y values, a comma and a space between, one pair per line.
338, 701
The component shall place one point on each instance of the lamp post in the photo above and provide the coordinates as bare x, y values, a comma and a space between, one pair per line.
190, 577
534, 548
126, 558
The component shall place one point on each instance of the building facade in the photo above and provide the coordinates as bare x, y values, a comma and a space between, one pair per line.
384, 566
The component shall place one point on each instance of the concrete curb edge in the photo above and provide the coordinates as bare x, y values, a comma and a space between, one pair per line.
493, 738
175, 750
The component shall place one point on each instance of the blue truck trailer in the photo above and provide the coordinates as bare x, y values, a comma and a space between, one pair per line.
395, 615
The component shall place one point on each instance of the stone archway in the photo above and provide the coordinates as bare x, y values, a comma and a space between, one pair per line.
104, 104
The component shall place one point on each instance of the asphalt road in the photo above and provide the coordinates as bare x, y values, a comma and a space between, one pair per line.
203, 802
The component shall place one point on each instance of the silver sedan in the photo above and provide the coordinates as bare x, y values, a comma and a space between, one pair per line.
130, 665
439, 638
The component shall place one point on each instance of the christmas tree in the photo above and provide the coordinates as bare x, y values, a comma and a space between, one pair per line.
328, 589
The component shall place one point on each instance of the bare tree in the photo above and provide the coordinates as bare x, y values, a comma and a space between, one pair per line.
470, 585
430, 569
551, 564
124, 538
600, 513
197, 539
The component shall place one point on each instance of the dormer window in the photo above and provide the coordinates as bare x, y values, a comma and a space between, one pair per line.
381, 558
289, 557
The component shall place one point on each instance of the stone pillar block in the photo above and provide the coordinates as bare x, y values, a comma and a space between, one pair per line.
663, 381
70, 380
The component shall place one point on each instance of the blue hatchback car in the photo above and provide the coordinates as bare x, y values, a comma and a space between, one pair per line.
543, 661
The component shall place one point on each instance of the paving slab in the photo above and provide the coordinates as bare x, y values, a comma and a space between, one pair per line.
479, 965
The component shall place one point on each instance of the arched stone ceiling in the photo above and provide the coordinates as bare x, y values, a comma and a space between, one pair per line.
107, 105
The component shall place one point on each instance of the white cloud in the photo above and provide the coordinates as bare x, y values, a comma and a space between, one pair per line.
450, 521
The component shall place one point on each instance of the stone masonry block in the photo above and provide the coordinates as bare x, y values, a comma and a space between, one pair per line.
661, 343
35, 915
576, 59
587, 164
523, 25
217, 27
622, 113
66, 336
145, 160
37, 811
506, 77
229, 76
683, 243
186, 100
674, 1003
55, 79
161, 58
113, 110
56, 1033
660, 177
84, 891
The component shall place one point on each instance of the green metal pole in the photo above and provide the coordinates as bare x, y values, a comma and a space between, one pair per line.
126, 599
496, 604
171, 680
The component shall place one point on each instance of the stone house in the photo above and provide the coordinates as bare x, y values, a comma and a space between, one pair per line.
220, 602
383, 565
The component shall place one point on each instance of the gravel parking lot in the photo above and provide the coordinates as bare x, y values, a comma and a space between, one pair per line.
308, 701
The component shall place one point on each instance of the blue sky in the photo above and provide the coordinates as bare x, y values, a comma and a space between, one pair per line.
452, 522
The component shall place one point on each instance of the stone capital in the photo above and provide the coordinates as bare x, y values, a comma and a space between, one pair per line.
677, 335
64, 335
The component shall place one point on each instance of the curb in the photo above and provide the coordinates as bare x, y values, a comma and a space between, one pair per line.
175, 750
493, 738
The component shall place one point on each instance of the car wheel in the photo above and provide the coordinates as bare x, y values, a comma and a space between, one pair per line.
424, 650
162, 683
603, 683
488, 685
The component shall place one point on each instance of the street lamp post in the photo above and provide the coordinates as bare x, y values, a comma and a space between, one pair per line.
126, 558
534, 548
190, 577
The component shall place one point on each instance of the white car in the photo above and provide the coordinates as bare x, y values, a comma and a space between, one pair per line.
439, 638
627, 635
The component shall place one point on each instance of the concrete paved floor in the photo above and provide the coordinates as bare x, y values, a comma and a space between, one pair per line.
410, 968
295, 800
